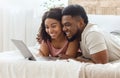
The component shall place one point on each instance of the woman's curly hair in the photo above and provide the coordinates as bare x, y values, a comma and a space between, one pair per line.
54, 13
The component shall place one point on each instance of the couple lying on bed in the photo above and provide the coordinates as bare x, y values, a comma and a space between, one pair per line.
64, 31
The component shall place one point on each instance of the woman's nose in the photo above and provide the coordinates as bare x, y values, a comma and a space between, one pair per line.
50, 30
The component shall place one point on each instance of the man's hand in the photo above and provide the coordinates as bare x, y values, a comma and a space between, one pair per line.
82, 59
63, 56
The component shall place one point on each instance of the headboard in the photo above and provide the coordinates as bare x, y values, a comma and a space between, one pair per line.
107, 22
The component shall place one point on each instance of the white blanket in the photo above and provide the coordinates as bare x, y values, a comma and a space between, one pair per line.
109, 70
13, 65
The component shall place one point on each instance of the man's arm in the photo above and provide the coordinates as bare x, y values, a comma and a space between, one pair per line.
71, 50
97, 47
99, 57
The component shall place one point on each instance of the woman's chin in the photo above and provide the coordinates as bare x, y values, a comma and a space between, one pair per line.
53, 37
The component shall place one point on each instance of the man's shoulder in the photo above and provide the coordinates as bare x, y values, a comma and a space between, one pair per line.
92, 27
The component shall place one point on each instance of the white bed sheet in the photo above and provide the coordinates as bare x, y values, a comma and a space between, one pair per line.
13, 65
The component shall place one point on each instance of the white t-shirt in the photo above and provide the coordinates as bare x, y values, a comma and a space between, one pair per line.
94, 40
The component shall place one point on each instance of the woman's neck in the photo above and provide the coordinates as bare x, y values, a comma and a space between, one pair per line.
60, 38
59, 42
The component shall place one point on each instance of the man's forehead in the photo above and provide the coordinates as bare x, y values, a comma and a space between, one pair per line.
66, 17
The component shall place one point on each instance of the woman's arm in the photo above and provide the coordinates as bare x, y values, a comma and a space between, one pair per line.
43, 51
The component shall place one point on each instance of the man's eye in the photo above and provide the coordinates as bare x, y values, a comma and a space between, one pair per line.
67, 24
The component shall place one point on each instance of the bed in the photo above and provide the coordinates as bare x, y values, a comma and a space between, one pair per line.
14, 65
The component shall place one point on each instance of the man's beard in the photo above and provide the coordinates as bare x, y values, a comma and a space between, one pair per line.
77, 35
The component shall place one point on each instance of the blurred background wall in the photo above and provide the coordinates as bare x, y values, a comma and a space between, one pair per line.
102, 7
21, 19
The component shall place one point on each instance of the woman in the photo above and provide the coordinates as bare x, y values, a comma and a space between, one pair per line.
52, 39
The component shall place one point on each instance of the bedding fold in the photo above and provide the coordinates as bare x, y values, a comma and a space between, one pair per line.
109, 70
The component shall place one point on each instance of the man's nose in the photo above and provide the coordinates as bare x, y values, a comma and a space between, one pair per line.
64, 28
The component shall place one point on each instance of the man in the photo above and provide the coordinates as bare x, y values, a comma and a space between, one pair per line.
96, 46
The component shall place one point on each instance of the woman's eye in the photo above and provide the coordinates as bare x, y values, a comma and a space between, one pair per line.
46, 27
53, 26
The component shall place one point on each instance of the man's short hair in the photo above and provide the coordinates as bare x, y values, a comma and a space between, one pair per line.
75, 10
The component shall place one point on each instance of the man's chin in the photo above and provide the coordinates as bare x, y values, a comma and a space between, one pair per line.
75, 36
71, 38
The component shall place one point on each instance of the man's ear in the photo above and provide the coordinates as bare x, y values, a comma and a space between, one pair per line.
81, 23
